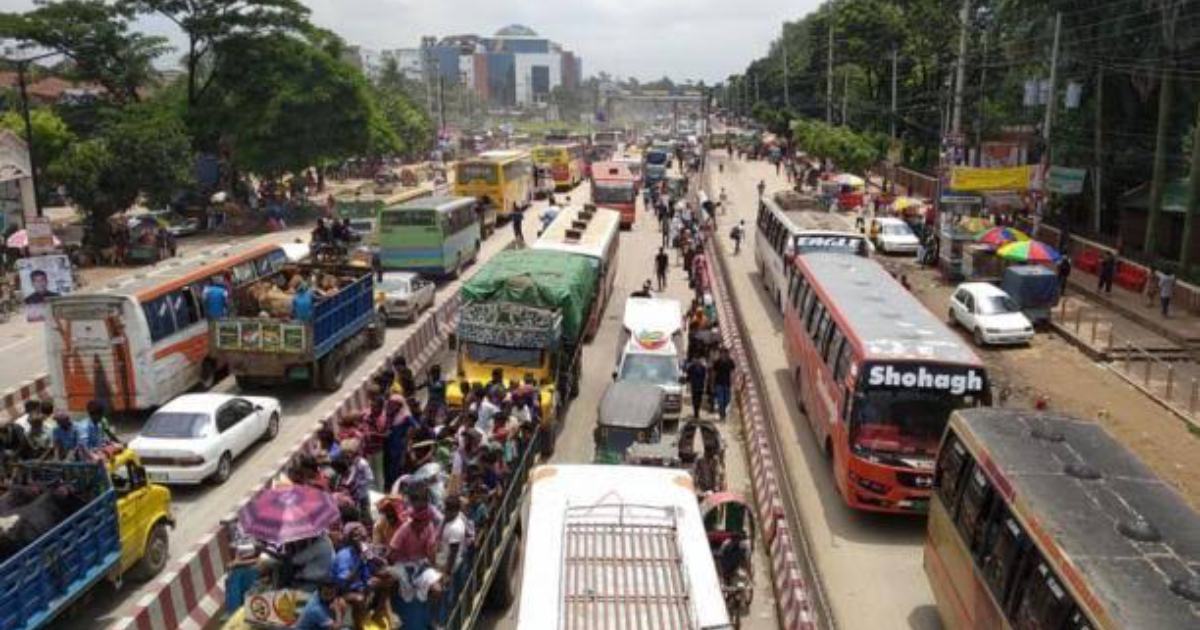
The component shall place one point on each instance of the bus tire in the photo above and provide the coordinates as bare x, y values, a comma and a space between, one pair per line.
504, 588
332, 371
155, 554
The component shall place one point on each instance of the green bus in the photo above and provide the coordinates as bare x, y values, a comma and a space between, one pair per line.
363, 205
434, 236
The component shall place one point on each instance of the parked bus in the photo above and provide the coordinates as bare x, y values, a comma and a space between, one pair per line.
137, 343
501, 180
564, 161
1039, 520
437, 236
614, 186
617, 547
877, 375
780, 239
595, 235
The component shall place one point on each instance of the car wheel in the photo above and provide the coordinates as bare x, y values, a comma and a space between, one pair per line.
978, 334
952, 319
224, 469
272, 428
155, 555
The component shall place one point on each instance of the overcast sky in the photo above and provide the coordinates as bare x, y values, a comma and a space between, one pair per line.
683, 39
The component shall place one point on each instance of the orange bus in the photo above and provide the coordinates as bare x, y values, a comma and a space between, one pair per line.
615, 186
877, 375
564, 162
137, 343
1041, 521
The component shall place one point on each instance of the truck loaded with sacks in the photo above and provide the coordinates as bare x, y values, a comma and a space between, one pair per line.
301, 323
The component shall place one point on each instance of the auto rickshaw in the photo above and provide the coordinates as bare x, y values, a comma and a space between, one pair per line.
729, 524
707, 465
629, 413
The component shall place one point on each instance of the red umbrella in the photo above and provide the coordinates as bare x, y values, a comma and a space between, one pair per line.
287, 514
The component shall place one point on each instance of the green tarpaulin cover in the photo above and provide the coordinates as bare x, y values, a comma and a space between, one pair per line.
542, 279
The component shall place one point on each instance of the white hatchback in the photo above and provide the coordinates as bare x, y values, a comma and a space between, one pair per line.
403, 295
197, 436
990, 314
893, 236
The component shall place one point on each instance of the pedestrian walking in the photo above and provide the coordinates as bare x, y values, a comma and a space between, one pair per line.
1152, 287
661, 263
762, 189
723, 369
723, 200
1166, 288
697, 375
518, 223
1108, 269
1064, 272
736, 234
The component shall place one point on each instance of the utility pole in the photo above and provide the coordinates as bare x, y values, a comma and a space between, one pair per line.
895, 64
787, 101
1193, 198
845, 93
441, 104
982, 99
960, 78
829, 80
1097, 171
22, 68
1050, 101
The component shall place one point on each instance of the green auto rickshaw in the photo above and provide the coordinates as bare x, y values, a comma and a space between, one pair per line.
630, 413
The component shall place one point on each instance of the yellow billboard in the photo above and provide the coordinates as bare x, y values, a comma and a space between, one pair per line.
966, 179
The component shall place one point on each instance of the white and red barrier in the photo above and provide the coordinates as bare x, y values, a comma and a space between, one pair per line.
190, 594
14, 399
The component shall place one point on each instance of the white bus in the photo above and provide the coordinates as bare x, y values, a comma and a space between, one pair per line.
137, 343
613, 547
594, 234
782, 234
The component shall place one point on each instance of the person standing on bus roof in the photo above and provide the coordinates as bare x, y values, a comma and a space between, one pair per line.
216, 299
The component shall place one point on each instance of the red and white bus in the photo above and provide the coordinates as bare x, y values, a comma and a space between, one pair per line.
594, 235
877, 375
615, 186
136, 344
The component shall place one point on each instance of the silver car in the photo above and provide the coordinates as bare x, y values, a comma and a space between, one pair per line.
403, 295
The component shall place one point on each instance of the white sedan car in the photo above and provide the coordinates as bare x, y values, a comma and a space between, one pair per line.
197, 436
893, 236
990, 314
403, 295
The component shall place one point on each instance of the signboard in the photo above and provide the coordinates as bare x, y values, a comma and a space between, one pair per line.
964, 178
14, 157
251, 335
40, 234
939, 378
1066, 181
42, 278
848, 244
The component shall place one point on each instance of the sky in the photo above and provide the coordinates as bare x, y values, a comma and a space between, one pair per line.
683, 39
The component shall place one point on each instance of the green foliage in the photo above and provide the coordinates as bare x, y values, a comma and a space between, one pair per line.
51, 139
413, 130
849, 151
95, 36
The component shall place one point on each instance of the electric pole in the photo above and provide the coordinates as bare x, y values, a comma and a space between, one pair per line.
960, 77
895, 63
845, 93
441, 103
829, 80
1053, 85
982, 99
787, 101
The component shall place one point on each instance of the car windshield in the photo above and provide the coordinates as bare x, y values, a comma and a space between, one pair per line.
904, 421
996, 305
175, 425
612, 193
516, 357
393, 285
897, 229
650, 368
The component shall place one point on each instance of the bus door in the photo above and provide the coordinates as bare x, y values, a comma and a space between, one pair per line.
94, 354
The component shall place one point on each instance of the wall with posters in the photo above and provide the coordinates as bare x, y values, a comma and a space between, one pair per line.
43, 277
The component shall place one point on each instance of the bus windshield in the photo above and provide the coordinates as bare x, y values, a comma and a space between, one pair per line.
899, 422
613, 193
515, 357
656, 157
477, 173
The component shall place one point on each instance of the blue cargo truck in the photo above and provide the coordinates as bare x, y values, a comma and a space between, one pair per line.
71, 526
266, 342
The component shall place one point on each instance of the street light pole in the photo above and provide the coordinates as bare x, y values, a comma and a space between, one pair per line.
22, 67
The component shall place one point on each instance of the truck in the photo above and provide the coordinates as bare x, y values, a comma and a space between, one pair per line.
523, 314
655, 164
109, 522
264, 344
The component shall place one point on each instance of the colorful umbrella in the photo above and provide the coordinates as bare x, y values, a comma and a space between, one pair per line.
1001, 236
974, 224
20, 239
1029, 251
846, 179
903, 203
287, 514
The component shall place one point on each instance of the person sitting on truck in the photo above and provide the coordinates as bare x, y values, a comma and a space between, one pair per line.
351, 571
355, 477
488, 409
303, 303
406, 381
95, 411
413, 550
216, 299
312, 562
321, 234
453, 546
324, 610
66, 439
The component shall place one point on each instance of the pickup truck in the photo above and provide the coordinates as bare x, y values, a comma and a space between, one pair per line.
108, 521
261, 345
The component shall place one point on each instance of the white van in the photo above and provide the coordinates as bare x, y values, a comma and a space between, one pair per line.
651, 349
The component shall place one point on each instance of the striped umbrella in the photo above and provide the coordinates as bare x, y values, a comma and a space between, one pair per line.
287, 514
1001, 236
1029, 252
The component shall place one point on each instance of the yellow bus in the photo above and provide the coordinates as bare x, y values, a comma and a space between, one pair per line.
1039, 521
563, 161
502, 181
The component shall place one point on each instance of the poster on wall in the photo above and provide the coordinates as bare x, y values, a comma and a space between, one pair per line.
42, 278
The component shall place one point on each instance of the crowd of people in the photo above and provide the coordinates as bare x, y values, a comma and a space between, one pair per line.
44, 434
407, 551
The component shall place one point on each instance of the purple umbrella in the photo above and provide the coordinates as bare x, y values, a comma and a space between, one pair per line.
287, 514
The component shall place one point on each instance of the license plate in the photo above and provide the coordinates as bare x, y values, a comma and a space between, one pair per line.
159, 476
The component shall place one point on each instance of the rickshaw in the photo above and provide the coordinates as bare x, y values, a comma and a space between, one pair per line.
729, 524
708, 471
630, 413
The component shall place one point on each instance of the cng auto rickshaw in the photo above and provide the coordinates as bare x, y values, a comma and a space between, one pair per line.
630, 413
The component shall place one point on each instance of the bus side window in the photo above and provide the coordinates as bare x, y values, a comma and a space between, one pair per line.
955, 461
187, 311
1042, 602
1004, 545
160, 317
832, 349
809, 309
843, 362
972, 516
822, 328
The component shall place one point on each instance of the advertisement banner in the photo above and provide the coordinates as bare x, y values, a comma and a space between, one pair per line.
1066, 181
966, 179
43, 277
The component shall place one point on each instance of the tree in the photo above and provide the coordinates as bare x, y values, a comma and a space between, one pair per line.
208, 24
408, 123
95, 37
51, 139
